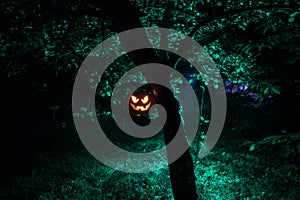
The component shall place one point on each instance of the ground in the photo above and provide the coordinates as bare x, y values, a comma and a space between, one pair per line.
55, 165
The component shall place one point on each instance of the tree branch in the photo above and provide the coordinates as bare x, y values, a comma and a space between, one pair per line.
237, 11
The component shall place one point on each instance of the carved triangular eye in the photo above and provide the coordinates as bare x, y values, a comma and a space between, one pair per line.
134, 99
145, 99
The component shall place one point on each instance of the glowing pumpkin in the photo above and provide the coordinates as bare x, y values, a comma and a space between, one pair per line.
140, 102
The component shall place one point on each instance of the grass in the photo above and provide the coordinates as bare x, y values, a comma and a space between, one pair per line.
233, 170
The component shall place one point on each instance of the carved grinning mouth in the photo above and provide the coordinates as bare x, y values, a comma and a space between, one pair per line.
140, 108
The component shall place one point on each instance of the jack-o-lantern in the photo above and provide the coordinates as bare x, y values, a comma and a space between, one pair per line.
140, 102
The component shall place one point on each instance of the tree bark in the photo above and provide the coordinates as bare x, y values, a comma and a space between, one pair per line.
124, 16
182, 170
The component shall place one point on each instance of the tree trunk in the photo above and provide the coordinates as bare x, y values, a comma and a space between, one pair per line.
124, 16
182, 170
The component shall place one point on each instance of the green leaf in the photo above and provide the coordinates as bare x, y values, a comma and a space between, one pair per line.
275, 90
216, 85
266, 91
293, 16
